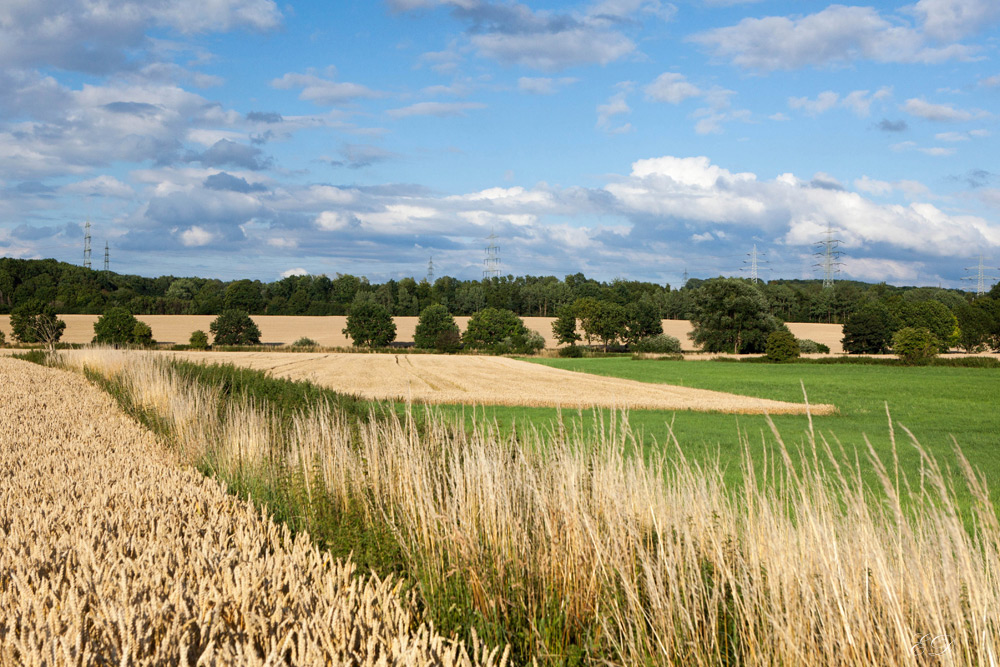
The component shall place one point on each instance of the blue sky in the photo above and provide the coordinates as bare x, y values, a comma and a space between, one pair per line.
622, 138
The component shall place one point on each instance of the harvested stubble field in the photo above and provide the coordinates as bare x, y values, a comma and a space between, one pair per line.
484, 380
328, 331
112, 553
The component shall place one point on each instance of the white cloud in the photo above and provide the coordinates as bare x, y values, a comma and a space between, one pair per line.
673, 88
104, 37
823, 102
299, 271
837, 35
780, 117
858, 101
952, 136
554, 50
196, 236
942, 113
948, 20
615, 106
439, 109
324, 91
543, 85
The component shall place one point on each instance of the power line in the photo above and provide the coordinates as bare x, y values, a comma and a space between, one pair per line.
830, 257
756, 259
491, 264
86, 246
980, 277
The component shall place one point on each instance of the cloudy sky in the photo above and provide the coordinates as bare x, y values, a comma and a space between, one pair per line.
621, 138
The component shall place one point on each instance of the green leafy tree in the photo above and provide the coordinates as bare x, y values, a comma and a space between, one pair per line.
36, 322
974, 324
585, 308
436, 329
490, 326
198, 340
246, 295
868, 330
731, 315
564, 326
370, 324
915, 345
234, 327
606, 322
781, 346
142, 334
116, 327
933, 316
642, 320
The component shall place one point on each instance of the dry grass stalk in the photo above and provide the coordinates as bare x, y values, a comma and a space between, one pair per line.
656, 562
111, 553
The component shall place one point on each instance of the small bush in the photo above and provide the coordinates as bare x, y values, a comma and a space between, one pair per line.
571, 351
660, 343
448, 341
3, 339
305, 342
198, 340
526, 342
915, 345
807, 346
781, 346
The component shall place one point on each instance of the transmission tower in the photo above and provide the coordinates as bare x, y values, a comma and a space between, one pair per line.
86, 246
830, 257
980, 277
107, 264
491, 264
753, 265
685, 278
430, 269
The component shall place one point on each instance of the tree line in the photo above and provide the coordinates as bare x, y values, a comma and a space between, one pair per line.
73, 289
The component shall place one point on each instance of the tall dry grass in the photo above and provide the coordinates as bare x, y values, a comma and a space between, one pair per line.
572, 549
112, 554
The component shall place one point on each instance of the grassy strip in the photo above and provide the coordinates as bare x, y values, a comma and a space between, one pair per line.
941, 362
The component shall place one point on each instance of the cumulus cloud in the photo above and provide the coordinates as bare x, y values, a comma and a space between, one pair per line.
224, 153
672, 87
837, 35
615, 106
81, 36
513, 33
224, 181
324, 91
947, 20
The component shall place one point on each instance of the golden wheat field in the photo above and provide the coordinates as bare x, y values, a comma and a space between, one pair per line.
486, 380
327, 331
113, 553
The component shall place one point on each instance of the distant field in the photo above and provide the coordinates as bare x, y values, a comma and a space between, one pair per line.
327, 331
935, 403
485, 380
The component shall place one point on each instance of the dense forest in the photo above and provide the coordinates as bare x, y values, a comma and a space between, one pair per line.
74, 289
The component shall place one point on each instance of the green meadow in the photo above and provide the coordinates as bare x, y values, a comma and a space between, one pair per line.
941, 406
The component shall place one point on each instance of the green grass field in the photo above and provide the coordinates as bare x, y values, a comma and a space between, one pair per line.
935, 403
